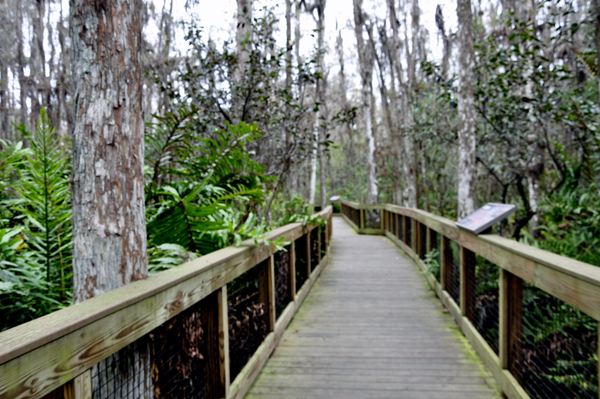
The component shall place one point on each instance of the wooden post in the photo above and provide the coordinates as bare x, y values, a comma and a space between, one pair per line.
78, 388
266, 289
467, 282
444, 267
292, 281
511, 322
222, 309
215, 325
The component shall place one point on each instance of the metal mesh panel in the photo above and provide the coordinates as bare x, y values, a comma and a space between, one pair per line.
435, 258
247, 324
301, 262
169, 362
408, 239
422, 241
373, 218
282, 280
400, 227
323, 230
453, 271
483, 299
314, 248
556, 355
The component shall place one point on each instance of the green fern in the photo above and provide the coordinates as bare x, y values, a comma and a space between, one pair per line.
45, 203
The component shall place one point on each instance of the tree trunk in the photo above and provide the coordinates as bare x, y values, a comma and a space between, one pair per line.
21, 64
365, 58
466, 111
108, 148
109, 224
339, 46
320, 4
244, 19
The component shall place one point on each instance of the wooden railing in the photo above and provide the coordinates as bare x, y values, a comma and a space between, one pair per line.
531, 315
58, 355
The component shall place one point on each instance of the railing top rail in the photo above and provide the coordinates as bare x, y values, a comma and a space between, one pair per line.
575, 268
230, 262
577, 283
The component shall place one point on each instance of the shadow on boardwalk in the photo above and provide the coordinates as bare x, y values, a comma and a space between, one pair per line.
371, 328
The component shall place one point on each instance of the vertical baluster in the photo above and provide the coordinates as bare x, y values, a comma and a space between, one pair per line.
511, 322
215, 325
266, 290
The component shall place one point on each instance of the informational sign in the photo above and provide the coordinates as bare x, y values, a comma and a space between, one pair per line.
485, 217
334, 198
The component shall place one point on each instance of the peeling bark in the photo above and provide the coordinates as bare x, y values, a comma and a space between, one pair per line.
109, 225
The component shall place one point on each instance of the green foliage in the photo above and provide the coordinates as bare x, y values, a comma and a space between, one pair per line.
570, 223
35, 233
45, 203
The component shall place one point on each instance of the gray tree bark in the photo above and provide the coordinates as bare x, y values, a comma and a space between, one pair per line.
365, 57
109, 224
244, 19
466, 111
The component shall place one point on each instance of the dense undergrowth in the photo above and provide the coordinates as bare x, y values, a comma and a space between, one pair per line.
203, 193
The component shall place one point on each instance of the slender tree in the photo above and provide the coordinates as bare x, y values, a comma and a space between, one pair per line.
365, 58
466, 111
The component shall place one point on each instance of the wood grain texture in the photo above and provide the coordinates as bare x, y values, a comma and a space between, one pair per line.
370, 328
42, 355
574, 282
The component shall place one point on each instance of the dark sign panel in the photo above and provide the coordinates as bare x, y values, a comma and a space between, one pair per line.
485, 217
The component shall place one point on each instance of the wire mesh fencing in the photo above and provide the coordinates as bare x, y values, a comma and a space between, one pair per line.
314, 248
352, 213
433, 260
169, 362
452, 270
400, 227
372, 218
483, 299
555, 351
408, 238
283, 293
323, 233
301, 259
247, 318
422, 247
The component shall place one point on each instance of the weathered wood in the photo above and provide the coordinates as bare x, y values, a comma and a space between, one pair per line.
503, 318
574, 282
266, 291
209, 315
223, 314
82, 386
80, 336
515, 325
370, 332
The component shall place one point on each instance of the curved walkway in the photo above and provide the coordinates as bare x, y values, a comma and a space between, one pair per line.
372, 328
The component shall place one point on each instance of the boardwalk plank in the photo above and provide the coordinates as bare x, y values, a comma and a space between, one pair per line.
371, 328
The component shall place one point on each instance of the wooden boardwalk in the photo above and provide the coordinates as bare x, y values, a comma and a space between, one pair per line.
372, 328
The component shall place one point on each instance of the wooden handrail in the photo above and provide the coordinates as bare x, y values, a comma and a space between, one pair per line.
44, 354
574, 282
